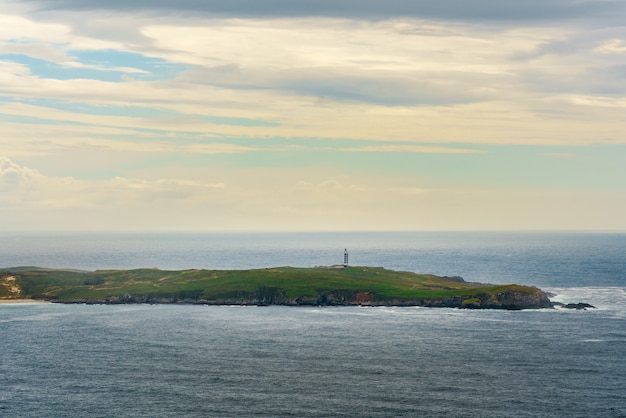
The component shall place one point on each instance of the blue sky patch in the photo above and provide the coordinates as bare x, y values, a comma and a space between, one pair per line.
105, 65
153, 68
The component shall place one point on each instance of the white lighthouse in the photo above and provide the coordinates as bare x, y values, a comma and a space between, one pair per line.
345, 258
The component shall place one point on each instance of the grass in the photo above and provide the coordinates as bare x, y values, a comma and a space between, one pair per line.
278, 284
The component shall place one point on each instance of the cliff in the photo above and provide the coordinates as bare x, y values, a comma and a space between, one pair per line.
319, 286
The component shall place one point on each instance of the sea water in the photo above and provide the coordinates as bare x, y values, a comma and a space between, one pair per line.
199, 361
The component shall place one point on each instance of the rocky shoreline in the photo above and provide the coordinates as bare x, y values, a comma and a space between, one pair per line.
580, 306
281, 286
508, 300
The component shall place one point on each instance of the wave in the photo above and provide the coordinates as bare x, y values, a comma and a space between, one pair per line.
604, 298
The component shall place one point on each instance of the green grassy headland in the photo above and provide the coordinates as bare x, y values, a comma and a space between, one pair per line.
281, 285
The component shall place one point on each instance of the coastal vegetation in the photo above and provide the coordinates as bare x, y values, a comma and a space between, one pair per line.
334, 285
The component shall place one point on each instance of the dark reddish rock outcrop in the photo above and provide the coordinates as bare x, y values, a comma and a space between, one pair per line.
510, 299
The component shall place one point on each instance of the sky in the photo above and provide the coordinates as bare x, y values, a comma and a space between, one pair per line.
284, 115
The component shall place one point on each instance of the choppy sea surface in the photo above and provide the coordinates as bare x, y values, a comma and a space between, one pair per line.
199, 361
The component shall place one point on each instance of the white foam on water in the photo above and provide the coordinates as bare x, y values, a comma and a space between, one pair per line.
609, 299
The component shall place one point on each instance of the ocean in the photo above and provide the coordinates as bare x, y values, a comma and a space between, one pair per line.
201, 361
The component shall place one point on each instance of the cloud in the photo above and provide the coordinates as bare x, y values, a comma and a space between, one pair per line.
387, 63
42, 51
271, 112
384, 88
401, 80
361, 9
296, 198
13, 176
14, 27
612, 46
29, 188
9, 69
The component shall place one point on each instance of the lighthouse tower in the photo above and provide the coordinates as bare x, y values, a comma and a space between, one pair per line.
345, 258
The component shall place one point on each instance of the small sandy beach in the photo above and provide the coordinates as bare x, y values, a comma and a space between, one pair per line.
19, 300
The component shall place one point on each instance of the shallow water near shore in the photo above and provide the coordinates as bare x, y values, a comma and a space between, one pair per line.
170, 360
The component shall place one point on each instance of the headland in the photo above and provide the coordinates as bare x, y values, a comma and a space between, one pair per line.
288, 286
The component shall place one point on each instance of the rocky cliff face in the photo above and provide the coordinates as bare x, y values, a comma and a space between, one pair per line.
512, 299
519, 299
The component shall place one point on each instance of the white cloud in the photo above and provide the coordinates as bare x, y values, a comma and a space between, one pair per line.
13, 176
402, 80
409, 85
265, 53
612, 46
15, 28
597, 101
38, 49
21, 185
288, 199
9, 69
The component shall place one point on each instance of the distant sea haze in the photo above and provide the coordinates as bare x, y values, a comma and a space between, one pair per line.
200, 361
563, 259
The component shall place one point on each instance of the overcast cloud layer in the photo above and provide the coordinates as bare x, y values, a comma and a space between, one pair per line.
538, 10
312, 114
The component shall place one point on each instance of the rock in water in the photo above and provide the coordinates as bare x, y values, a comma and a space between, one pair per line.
579, 306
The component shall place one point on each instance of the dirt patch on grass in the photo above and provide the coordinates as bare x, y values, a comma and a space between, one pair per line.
9, 288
